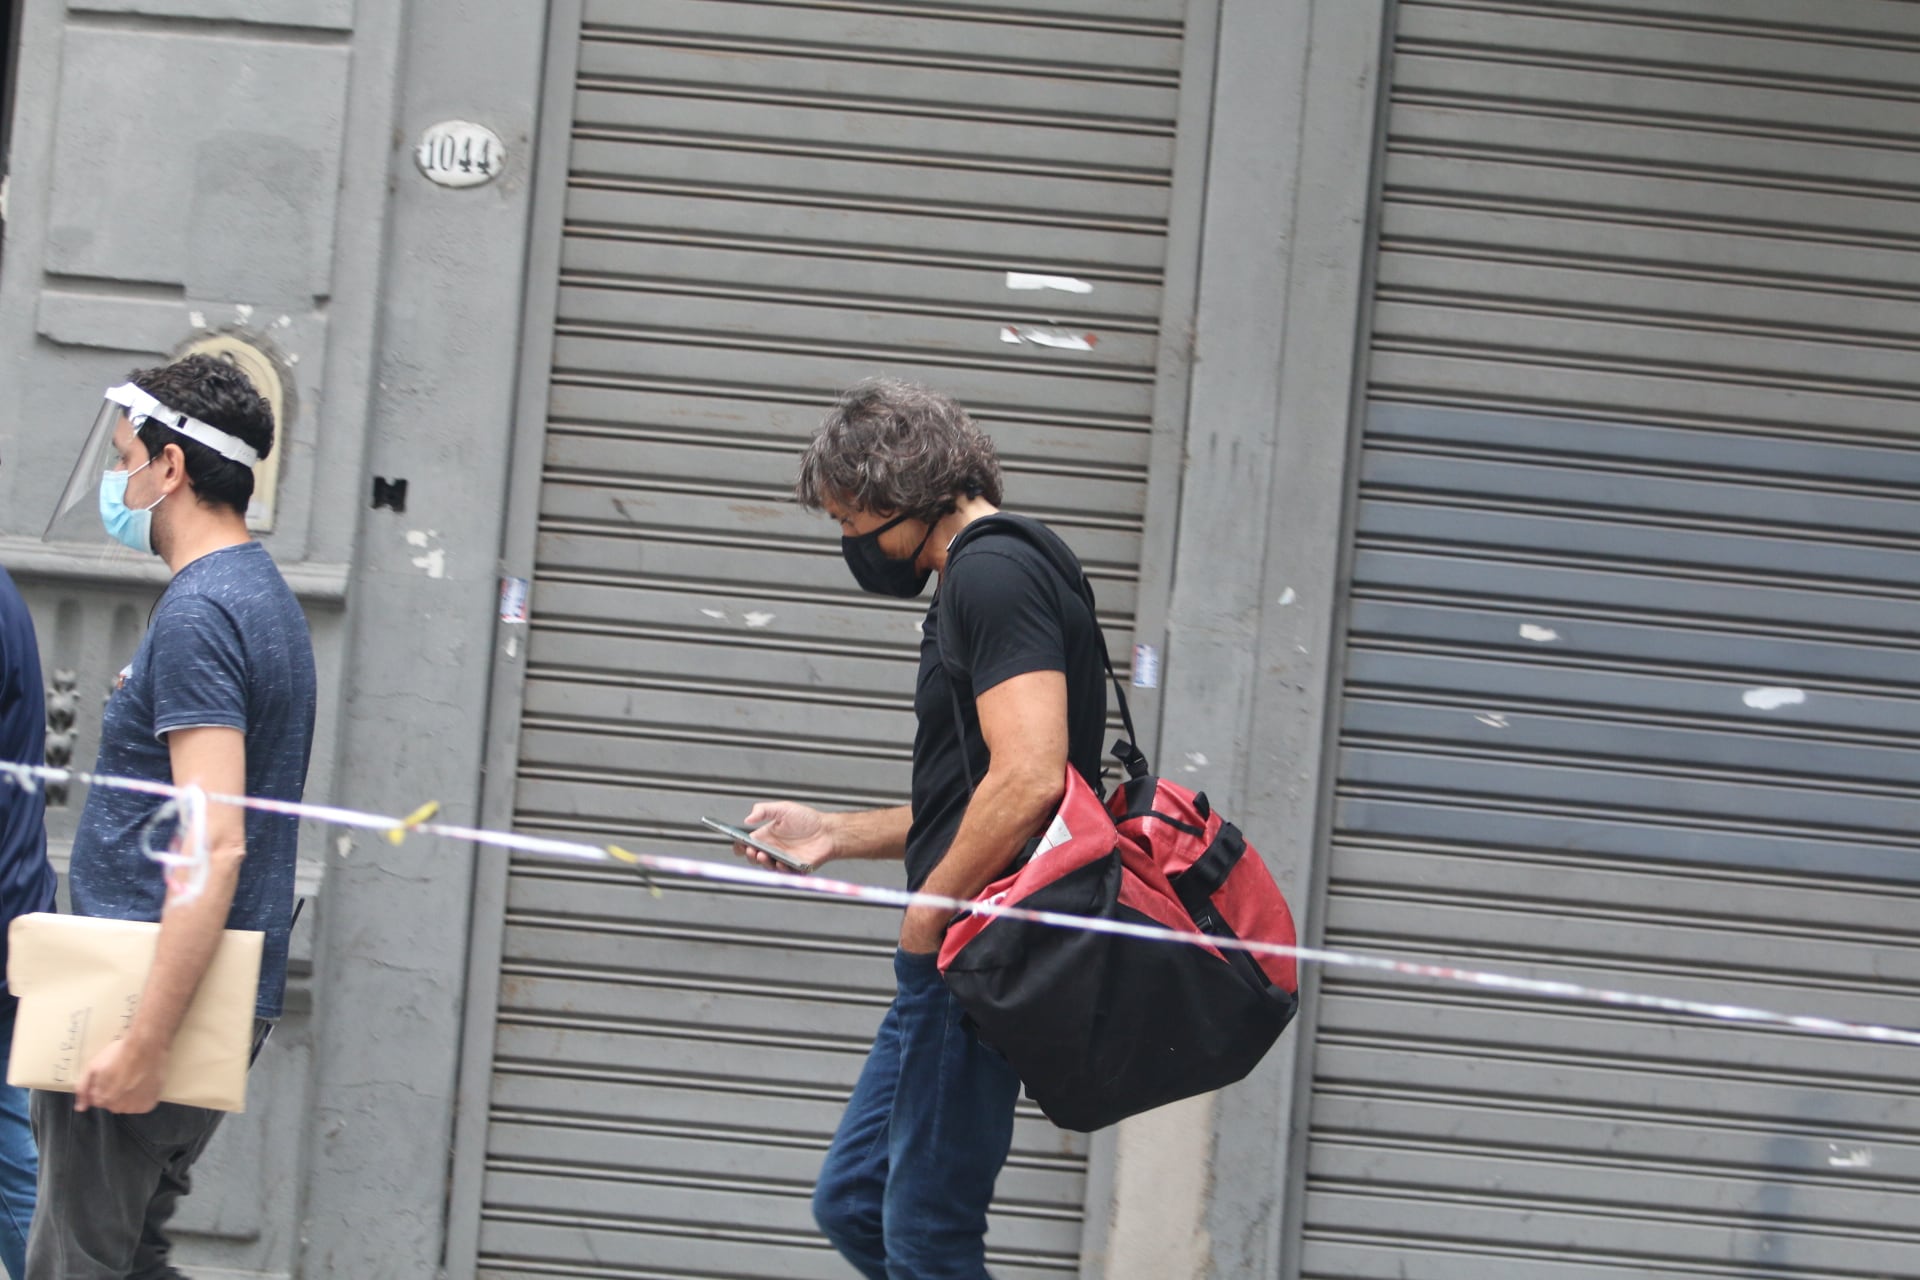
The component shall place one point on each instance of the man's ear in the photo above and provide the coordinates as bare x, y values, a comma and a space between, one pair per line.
172, 468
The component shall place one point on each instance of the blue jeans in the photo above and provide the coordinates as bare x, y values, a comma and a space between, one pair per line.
904, 1191
19, 1164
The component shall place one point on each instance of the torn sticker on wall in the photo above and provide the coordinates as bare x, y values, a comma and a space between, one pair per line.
1492, 719
1030, 280
1048, 335
1146, 667
1848, 1157
513, 599
757, 619
1539, 635
1773, 698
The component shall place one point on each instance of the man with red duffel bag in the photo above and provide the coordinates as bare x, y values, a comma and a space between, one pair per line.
1010, 693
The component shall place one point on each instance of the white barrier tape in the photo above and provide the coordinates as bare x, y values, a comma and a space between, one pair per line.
396, 829
187, 858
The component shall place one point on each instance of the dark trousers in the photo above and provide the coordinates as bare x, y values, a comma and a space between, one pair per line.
108, 1184
904, 1191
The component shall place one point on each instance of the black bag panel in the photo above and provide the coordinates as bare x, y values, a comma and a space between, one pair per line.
1101, 1027
1036, 985
1174, 1021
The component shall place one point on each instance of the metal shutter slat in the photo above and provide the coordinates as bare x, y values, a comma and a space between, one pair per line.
767, 201
1639, 444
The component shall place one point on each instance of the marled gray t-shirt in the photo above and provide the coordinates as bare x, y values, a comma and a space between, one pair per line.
227, 646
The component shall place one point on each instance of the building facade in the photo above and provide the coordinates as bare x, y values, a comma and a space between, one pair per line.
1489, 423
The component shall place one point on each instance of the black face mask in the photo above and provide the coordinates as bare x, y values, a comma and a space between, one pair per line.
880, 573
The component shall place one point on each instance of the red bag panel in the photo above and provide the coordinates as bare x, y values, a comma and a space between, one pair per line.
1175, 823
1254, 908
1081, 832
1158, 904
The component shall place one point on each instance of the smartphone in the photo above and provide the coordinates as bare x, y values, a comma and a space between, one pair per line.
752, 841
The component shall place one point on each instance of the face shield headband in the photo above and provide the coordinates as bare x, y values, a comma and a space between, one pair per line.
74, 518
142, 408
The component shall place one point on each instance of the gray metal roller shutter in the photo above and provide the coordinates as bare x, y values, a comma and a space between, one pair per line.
1632, 694
766, 202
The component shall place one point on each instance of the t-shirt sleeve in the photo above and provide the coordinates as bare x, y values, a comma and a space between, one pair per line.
197, 667
999, 619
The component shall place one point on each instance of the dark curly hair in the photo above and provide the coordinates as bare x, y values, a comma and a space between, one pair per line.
217, 393
897, 448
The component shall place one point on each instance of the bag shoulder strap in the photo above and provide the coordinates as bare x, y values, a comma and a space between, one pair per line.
1055, 552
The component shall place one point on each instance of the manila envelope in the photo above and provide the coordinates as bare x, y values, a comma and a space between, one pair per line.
79, 979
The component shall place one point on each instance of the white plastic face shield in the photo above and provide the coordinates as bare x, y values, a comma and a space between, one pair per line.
76, 517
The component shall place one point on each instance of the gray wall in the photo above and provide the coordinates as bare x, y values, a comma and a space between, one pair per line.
1257, 573
179, 167
424, 601
146, 209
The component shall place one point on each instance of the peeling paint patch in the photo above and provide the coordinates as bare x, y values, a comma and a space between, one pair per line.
1030, 280
1773, 698
1287, 596
242, 312
1196, 760
1493, 719
718, 615
757, 619
283, 322
1849, 1157
434, 562
343, 846
198, 319
1539, 635
1047, 335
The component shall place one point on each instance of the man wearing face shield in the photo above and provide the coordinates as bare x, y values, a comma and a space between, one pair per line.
221, 693
1010, 691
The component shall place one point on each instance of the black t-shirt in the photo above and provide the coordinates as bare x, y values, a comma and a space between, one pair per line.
1003, 609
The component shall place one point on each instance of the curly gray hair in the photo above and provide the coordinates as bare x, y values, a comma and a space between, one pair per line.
897, 447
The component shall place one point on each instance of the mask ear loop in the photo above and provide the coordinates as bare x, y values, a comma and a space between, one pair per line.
183, 851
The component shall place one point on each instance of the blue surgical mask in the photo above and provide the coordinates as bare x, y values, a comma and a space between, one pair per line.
124, 525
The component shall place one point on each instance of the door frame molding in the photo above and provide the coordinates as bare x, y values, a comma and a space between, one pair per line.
507, 693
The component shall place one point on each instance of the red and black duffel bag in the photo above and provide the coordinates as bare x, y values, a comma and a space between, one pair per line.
1103, 1026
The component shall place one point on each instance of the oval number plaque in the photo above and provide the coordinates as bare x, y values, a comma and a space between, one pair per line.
459, 153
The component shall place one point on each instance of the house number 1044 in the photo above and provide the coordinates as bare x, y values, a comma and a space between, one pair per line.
459, 153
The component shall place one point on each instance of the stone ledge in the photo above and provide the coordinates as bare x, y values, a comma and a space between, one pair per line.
30, 558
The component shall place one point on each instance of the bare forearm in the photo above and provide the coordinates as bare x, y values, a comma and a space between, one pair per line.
1005, 812
871, 833
190, 933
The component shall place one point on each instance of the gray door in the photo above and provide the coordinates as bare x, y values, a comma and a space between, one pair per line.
763, 203
1632, 694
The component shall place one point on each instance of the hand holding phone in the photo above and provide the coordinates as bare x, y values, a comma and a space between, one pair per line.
743, 836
